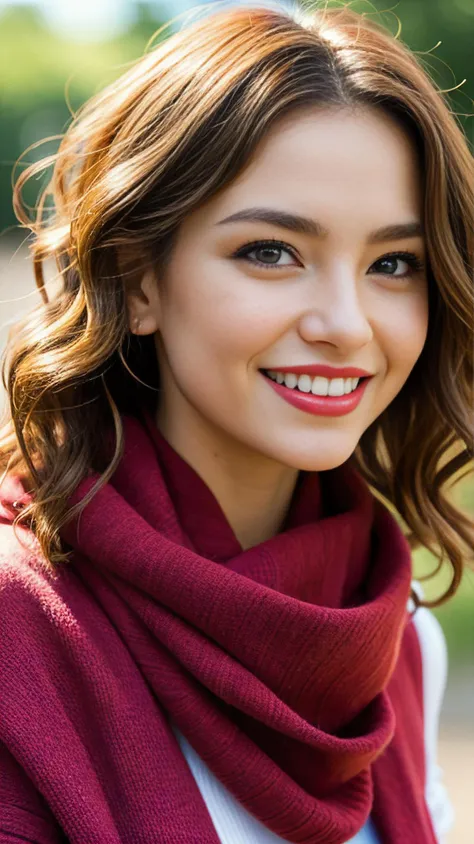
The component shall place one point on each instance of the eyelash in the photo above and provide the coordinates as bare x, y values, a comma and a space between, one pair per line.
410, 258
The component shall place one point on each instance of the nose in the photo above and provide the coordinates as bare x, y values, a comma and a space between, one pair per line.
337, 313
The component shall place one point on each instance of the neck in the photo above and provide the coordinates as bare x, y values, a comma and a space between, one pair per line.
253, 491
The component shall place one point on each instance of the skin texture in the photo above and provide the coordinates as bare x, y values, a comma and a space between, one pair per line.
218, 319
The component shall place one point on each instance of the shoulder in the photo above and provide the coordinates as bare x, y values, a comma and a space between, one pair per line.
48, 619
37, 616
19, 549
23, 570
38, 604
434, 655
434, 665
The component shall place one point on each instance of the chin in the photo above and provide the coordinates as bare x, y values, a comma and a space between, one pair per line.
318, 458
321, 464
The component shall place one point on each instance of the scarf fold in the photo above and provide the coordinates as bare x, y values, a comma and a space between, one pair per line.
292, 668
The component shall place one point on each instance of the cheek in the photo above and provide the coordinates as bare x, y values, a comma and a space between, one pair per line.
403, 336
220, 321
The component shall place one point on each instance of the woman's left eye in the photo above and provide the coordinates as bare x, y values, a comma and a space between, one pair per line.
267, 254
390, 263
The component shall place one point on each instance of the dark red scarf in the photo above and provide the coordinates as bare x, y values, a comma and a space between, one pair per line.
293, 668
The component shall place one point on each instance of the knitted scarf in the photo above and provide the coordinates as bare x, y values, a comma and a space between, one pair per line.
292, 668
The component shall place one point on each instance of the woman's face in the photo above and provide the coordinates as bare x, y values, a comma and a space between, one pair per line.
330, 290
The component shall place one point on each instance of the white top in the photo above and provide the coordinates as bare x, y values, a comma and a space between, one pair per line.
235, 825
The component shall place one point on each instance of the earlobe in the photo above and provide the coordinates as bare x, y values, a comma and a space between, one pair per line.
143, 314
141, 291
144, 305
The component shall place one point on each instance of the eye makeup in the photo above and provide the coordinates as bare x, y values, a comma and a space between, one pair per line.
415, 263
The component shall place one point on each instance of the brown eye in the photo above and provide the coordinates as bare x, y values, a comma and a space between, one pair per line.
267, 254
389, 264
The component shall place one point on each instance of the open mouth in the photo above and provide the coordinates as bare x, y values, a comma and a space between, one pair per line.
316, 385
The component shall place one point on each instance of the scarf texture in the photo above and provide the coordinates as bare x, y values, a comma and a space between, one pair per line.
292, 668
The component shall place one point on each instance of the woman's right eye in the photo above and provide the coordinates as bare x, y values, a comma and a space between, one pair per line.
267, 254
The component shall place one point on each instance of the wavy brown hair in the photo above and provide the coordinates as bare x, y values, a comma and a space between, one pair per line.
141, 155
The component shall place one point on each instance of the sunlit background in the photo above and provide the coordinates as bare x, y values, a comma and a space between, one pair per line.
53, 55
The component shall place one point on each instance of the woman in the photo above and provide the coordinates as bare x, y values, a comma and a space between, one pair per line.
258, 352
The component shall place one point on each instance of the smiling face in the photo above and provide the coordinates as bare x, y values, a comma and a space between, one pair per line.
329, 290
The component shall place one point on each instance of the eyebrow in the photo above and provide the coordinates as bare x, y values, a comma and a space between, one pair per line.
304, 225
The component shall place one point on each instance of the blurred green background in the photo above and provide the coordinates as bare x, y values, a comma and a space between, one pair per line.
56, 51
50, 46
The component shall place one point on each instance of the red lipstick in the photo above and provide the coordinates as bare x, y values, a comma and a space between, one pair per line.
321, 405
324, 370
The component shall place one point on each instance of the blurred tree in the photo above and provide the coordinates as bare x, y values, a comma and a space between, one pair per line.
425, 23
37, 66
39, 70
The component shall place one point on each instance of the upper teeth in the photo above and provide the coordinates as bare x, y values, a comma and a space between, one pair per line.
319, 386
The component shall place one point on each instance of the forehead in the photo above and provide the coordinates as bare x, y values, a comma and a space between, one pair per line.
357, 165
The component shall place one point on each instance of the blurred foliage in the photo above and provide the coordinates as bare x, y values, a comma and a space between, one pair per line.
457, 615
41, 72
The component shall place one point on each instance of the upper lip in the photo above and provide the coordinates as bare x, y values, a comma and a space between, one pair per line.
324, 370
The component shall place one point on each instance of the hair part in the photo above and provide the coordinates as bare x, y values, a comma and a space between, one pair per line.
148, 150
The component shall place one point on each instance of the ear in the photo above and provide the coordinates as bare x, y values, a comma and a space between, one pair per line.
141, 293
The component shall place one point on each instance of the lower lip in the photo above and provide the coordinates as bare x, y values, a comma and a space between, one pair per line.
320, 405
